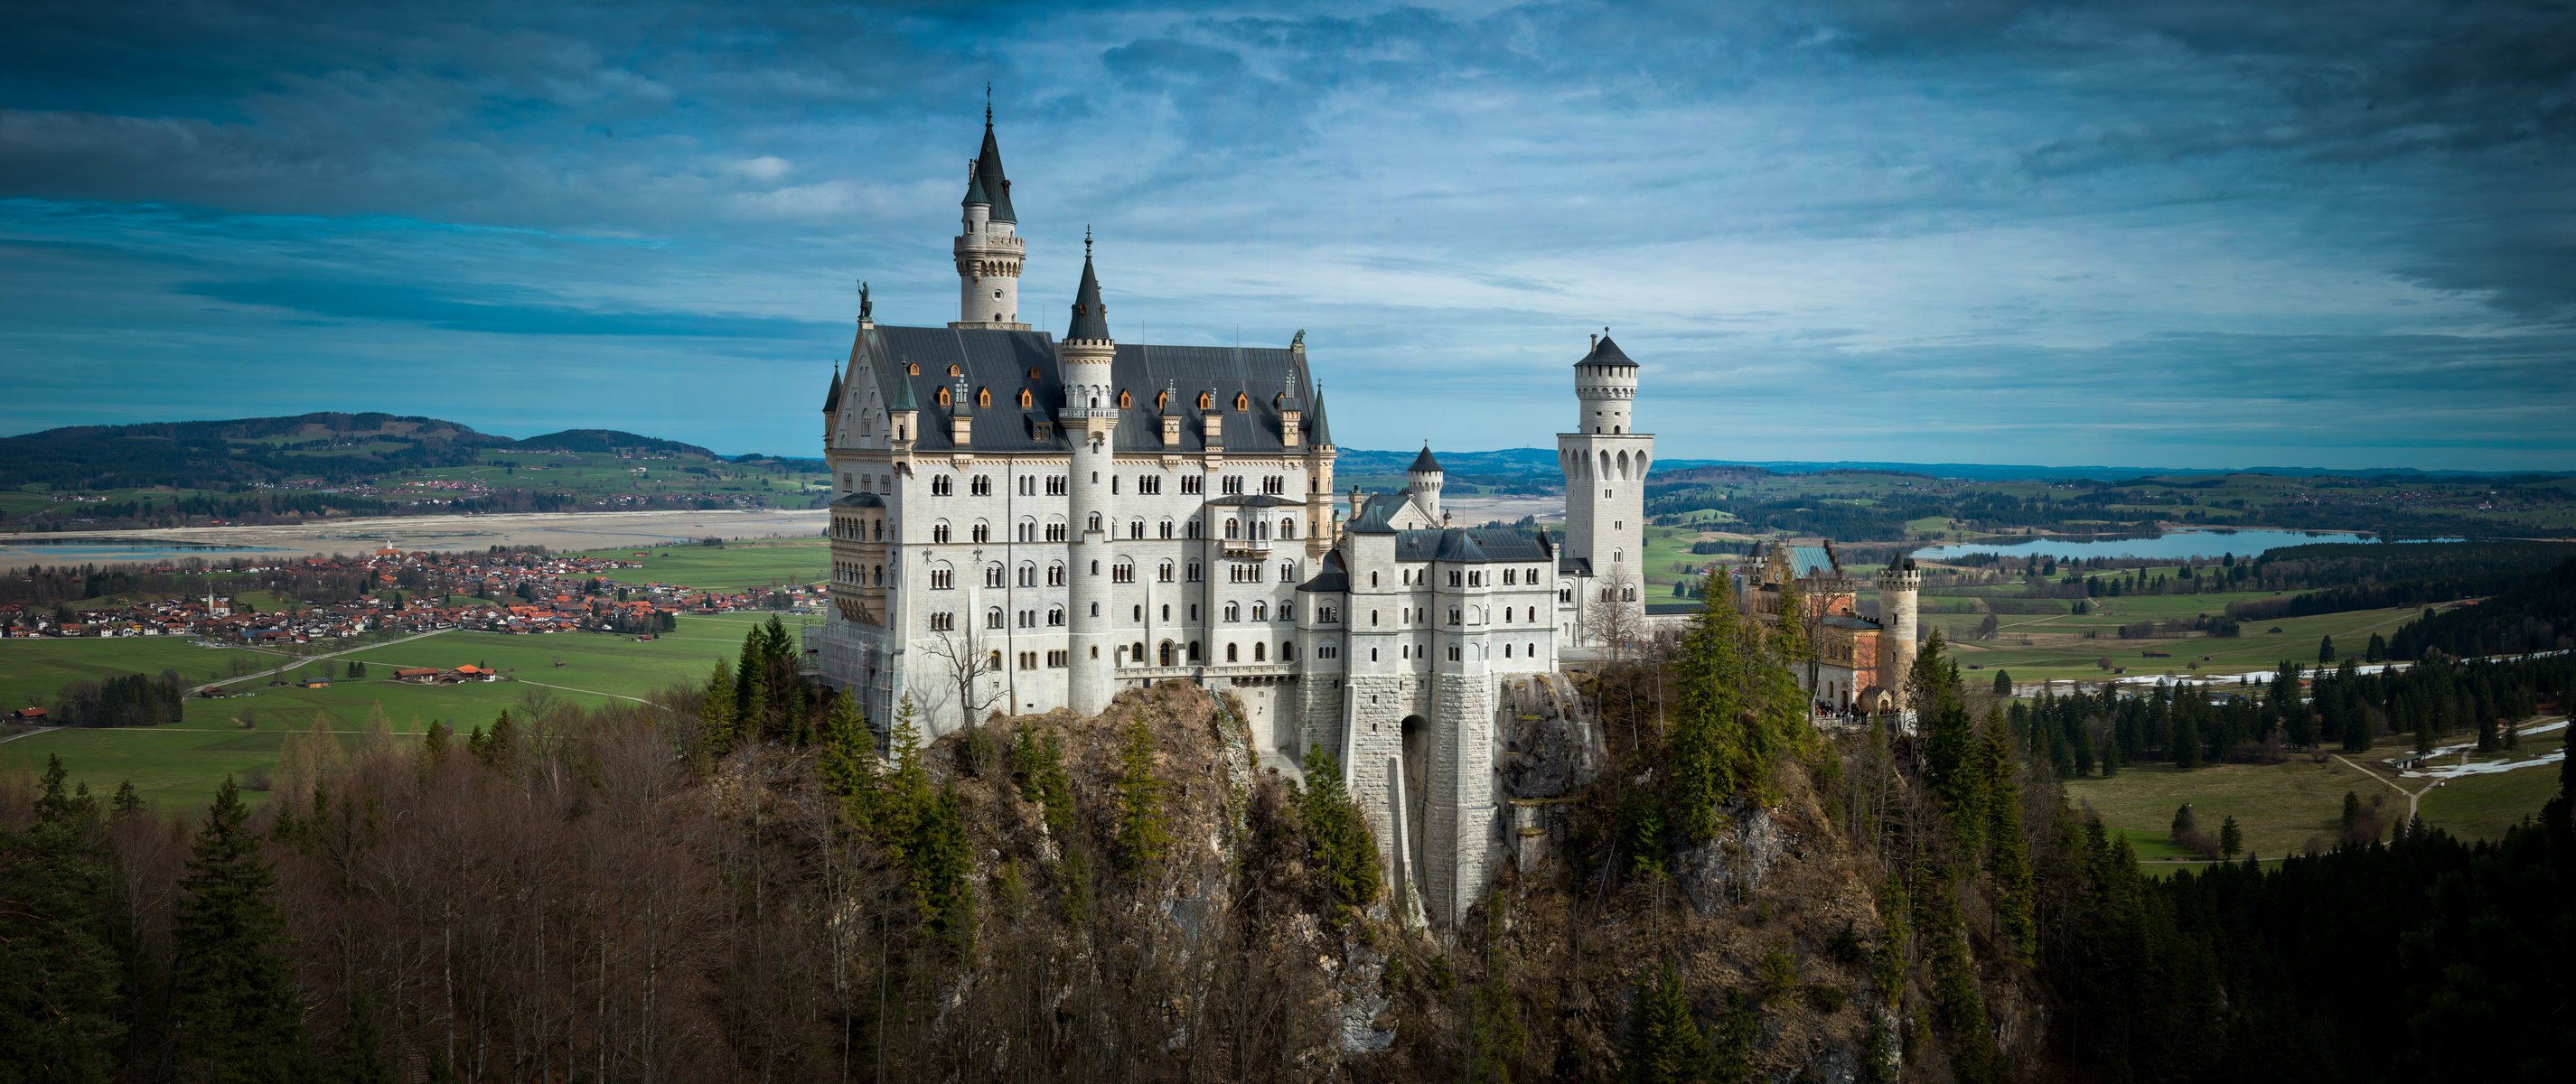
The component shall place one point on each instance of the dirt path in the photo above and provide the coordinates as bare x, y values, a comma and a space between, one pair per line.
2412, 796
301, 660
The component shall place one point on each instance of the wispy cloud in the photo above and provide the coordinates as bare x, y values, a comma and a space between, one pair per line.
2195, 233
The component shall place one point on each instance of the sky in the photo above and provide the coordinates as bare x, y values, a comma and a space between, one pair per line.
2186, 233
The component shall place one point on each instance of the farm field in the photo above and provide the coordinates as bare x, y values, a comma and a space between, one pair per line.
729, 567
2284, 807
31, 669
180, 766
2059, 650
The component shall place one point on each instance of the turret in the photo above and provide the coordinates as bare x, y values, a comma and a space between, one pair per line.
988, 248
1605, 462
1422, 483
1089, 419
1898, 585
1605, 383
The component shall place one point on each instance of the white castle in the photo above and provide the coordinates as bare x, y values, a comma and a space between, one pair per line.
1024, 523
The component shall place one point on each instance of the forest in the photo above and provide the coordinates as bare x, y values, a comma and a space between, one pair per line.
743, 879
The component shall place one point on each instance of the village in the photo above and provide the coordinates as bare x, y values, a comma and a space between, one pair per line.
390, 590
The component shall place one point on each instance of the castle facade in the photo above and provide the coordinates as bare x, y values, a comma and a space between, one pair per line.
1023, 523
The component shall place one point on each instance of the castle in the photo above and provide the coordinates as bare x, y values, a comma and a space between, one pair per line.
1856, 664
1023, 523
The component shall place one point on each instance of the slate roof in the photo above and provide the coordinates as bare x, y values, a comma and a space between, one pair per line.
1375, 510
1574, 566
1805, 561
832, 398
1317, 431
1090, 316
1607, 353
1845, 621
1334, 578
988, 176
1001, 360
1424, 464
1472, 545
1660, 609
1255, 500
860, 500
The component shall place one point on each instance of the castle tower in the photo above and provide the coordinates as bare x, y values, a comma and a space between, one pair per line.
1605, 467
1089, 419
1422, 483
988, 248
1897, 585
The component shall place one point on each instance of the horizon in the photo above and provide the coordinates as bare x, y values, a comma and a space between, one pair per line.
2080, 234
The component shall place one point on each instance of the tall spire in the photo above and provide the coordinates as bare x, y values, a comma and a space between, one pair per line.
1090, 315
988, 169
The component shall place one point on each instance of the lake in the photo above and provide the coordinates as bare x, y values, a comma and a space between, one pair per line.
20, 552
2171, 545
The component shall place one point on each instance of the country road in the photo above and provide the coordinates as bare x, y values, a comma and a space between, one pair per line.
306, 659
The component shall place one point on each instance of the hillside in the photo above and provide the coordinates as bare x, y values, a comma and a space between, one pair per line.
266, 470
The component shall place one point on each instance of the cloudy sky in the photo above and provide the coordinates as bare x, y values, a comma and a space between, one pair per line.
2181, 233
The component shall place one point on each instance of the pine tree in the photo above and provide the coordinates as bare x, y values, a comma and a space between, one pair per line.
1344, 852
2007, 850
1950, 744
59, 976
718, 715
2003, 683
1136, 797
1665, 1045
2325, 650
233, 999
2230, 838
1707, 754
127, 801
942, 862
846, 756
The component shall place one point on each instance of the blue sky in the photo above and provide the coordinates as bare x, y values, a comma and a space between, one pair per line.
2183, 233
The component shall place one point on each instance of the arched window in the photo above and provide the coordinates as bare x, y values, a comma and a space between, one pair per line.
1125, 400
1055, 617
1233, 529
1242, 402
1260, 651
1194, 651
1229, 653
1163, 572
1288, 527
983, 397
1094, 524
1206, 400
1162, 400
939, 531
1287, 651
1234, 611
942, 395
912, 369
993, 618
1136, 528
1027, 400
1261, 611
993, 574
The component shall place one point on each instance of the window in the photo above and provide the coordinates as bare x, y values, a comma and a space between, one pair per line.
1288, 527
982, 486
1125, 400
1229, 653
1167, 528
1453, 615
1092, 525
942, 485
1194, 527
943, 621
1509, 575
939, 531
1122, 572
1055, 617
942, 397
1193, 483
1028, 575
943, 579
1027, 400
1260, 651
993, 618
1163, 572
1028, 485
1327, 615
1028, 619
1206, 400
1140, 617
1242, 402
993, 661
1136, 529
983, 531
1261, 611
1232, 484
1194, 572
1274, 484
1149, 483
1233, 611
1056, 485
1028, 660
1055, 574
1233, 529
1056, 532
1287, 571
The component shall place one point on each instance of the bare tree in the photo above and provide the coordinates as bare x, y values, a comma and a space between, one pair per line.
1615, 620
968, 663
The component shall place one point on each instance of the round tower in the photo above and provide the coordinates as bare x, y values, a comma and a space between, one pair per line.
1605, 462
1422, 483
988, 248
1089, 418
1605, 387
1898, 584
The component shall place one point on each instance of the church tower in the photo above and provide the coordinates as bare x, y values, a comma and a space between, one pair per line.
988, 246
1089, 419
1605, 479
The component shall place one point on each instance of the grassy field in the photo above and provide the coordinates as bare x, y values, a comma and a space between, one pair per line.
31, 670
180, 766
2057, 646
2285, 808
729, 567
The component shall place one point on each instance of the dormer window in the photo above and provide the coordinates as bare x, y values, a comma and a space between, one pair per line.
983, 397
913, 369
1027, 400
1162, 400
1242, 402
1206, 400
955, 370
1125, 401
942, 396
1033, 372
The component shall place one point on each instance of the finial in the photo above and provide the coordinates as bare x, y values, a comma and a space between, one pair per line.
1086, 241
988, 103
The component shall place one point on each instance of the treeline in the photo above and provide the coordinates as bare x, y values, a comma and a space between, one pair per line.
2537, 614
2421, 959
123, 700
2189, 726
726, 883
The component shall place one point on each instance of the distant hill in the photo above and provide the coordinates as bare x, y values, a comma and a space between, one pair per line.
329, 447
608, 441
1523, 461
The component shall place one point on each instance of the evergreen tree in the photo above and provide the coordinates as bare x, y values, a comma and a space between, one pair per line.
2007, 850
501, 747
127, 801
1707, 755
846, 753
1665, 1045
719, 715
1950, 744
59, 977
233, 999
2325, 650
2184, 741
2230, 838
943, 862
360, 1054
2003, 683
1344, 852
1136, 798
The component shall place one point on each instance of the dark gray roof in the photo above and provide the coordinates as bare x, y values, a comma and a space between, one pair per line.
1255, 500
1424, 463
1317, 431
1473, 545
1846, 621
988, 175
1607, 353
832, 398
1659, 609
860, 500
1090, 316
1334, 578
1001, 361
1574, 566
974, 191
1375, 510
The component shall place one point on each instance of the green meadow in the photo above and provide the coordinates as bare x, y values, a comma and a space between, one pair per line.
730, 567
180, 766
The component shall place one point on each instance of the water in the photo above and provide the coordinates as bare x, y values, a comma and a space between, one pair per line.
77, 551
2172, 545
